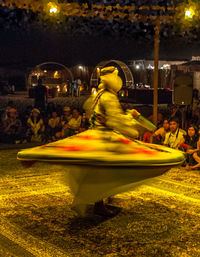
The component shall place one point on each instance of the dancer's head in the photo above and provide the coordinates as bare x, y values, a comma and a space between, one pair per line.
110, 79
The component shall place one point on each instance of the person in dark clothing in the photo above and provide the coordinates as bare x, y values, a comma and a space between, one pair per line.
11, 128
196, 154
40, 96
189, 145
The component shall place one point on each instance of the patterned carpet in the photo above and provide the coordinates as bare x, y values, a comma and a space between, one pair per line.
158, 219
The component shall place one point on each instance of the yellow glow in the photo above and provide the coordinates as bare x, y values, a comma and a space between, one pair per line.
94, 91
122, 93
64, 88
189, 13
58, 87
45, 71
98, 72
56, 74
53, 8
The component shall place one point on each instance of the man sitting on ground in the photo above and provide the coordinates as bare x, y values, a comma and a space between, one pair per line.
11, 128
73, 126
175, 135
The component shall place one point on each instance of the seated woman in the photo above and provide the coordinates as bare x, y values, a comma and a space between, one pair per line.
158, 136
65, 118
36, 128
196, 154
189, 145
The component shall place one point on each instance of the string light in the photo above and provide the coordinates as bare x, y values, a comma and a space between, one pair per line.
189, 13
171, 14
53, 8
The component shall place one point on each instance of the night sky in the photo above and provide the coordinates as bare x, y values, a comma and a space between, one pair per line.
28, 44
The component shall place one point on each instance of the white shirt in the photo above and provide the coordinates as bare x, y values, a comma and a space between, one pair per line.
172, 140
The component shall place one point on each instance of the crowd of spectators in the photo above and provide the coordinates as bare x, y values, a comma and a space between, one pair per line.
179, 129
40, 126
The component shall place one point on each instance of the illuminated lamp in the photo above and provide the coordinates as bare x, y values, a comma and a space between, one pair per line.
94, 91
53, 8
189, 13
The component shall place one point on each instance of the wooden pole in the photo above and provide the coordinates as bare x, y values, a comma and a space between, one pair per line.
155, 77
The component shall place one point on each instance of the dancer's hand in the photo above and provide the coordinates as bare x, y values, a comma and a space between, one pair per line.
135, 113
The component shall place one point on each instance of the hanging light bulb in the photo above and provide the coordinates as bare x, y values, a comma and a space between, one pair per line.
189, 13
53, 8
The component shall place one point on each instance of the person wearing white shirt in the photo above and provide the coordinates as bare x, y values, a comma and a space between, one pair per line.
175, 135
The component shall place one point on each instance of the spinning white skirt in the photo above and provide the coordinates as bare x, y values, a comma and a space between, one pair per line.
102, 163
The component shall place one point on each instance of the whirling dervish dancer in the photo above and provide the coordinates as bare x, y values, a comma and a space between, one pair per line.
106, 159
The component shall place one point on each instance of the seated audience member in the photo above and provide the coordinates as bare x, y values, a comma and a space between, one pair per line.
85, 124
4, 111
189, 145
54, 126
159, 135
196, 154
36, 128
66, 117
11, 128
175, 135
73, 126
